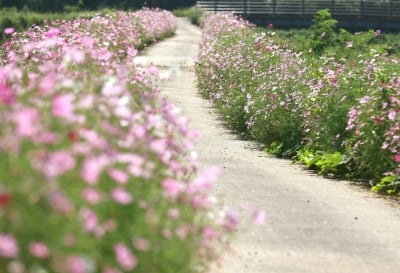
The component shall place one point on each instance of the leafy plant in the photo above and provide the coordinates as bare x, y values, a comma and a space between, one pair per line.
193, 13
324, 162
275, 148
324, 30
389, 184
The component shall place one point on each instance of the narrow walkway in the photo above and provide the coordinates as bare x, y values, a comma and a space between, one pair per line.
313, 225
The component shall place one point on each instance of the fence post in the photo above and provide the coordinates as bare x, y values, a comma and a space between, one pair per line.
215, 6
332, 7
273, 7
244, 7
361, 8
391, 8
302, 7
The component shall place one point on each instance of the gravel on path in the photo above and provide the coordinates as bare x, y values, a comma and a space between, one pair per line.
314, 225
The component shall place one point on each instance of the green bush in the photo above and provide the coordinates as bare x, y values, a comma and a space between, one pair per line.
21, 20
193, 13
324, 30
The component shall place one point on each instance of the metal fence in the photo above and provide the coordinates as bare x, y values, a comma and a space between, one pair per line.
365, 9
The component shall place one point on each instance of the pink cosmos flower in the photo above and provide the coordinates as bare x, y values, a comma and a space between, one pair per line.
174, 213
125, 257
182, 231
153, 70
60, 202
53, 32
141, 244
118, 175
76, 264
39, 250
139, 131
69, 240
46, 138
121, 196
77, 56
201, 201
167, 233
172, 188
8, 246
158, 145
58, 163
392, 114
92, 168
63, 106
86, 102
93, 138
88, 42
259, 217
205, 180
397, 158
135, 163
112, 89
91, 196
46, 85
9, 30
104, 54
109, 225
90, 221
136, 170
7, 97
209, 233
26, 121
132, 52
231, 221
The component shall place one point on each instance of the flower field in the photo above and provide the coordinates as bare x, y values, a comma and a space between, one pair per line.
335, 112
97, 172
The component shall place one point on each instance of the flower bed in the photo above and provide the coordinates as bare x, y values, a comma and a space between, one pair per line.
97, 171
336, 114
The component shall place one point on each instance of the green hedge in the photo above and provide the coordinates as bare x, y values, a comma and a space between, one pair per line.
22, 20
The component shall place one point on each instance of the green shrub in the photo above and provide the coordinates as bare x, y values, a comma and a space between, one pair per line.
324, 30
193, 13
21, 20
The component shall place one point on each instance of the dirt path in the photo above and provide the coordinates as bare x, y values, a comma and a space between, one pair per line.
313, 225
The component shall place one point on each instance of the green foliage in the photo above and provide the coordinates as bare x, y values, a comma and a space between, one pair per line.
324, 162
324, 30
274, 149
21, 20
193, 13
389, 184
